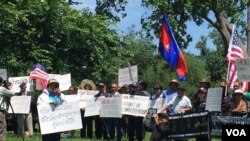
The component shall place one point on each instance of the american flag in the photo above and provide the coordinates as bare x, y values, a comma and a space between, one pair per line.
234, 52
38, 72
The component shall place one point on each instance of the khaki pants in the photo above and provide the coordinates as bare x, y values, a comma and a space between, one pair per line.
2, 126
24, 121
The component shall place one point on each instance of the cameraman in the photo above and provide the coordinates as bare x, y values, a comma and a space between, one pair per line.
5, 95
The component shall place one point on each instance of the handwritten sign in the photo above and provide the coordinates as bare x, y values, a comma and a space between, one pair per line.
84, 95
16, 81
243, 69
20, 104
157, 104
127, 75
111, 107
214, 96
60, 118
135, 105
3, 73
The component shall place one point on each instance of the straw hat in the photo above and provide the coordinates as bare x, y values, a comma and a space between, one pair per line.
87, 81
173, 81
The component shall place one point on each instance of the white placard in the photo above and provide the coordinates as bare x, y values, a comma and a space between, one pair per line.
64, 81
93, 106
157, 104
135, 105
214, 96
16, 81
20, 104
111, 107
71, 98
127, 75
243, 69
85, 95
60, 118
3, 73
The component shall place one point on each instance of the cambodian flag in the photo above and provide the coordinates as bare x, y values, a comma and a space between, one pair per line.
170, 50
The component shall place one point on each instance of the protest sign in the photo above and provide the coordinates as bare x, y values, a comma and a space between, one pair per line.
16, 81
127, 75
243, 69
111, 107
85, 95
93, 106
71, 98
20, 104
135, 105
64, 80
3, 73
59, 118
213, 102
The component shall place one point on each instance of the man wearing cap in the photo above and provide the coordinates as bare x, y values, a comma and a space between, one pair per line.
5, 95
180, 104
51, 95
158, 93
25, 120
172, 92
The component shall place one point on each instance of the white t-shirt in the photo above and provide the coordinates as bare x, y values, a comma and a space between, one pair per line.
178, 103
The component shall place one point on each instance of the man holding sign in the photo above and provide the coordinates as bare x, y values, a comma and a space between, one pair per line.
51, 95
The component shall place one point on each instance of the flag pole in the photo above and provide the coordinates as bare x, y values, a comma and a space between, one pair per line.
225, 94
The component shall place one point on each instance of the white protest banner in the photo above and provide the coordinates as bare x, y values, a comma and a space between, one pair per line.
85, 95
157, 104
64, 80
16, 81
111, 107
214, 96
135, 105
3, 73
127, 75
59, 118
243, 69
93, 106
20, 104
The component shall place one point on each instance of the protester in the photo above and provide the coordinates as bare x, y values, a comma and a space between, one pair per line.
158, 93
161, 128
135, 124
87, 122
115, 123
5, 95
25, 121
202, 95
69, 134
143, 86
51, 95
101, 127
180, 104
172, 92
239, 104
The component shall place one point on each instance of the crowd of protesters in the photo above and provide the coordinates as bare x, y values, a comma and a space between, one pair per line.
128, 126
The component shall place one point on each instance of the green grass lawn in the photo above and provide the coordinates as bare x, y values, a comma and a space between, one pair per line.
37, 137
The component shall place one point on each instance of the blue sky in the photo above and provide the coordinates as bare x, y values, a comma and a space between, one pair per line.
135, 11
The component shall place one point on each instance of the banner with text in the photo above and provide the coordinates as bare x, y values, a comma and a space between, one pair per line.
16, 81
135, 105
84, 95
213, 102
93, 106
111, 107
243, 69
59, 118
